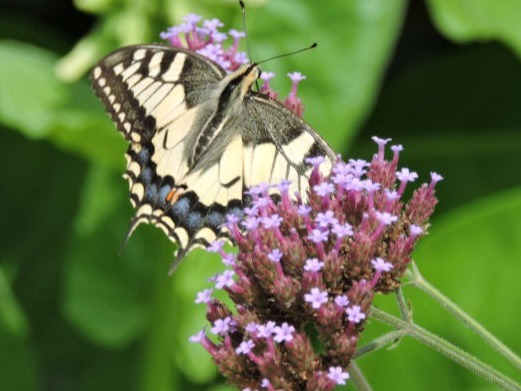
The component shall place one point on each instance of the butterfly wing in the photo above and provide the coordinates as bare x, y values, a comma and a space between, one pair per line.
277, 144
161, 99
146, 87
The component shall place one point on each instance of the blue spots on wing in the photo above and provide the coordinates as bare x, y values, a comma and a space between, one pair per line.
194, 221
156, 187
181, 209
143, 156
192, 215
146, 175
151, 193
187, 211
214, 220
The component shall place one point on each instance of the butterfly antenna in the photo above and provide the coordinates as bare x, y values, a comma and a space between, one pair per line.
312, 46
248, 48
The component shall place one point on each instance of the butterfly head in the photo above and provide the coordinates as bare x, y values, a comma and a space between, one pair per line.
248, 75
236, 85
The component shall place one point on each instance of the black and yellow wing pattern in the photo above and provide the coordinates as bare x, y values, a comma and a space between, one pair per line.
198, 138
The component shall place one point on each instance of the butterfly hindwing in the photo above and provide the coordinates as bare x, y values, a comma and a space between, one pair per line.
198, 139
277, 144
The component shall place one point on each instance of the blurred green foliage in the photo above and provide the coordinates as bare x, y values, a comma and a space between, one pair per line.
76, 316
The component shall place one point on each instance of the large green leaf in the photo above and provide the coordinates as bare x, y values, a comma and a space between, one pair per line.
30, 93
479, 20
34, 102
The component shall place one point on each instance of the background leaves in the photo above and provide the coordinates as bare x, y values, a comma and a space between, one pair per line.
482, 20
441, 77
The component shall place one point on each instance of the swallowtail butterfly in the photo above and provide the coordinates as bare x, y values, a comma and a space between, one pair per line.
198, 138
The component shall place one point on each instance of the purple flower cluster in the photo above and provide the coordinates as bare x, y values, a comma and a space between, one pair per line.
203, 37
312, 268
206, 39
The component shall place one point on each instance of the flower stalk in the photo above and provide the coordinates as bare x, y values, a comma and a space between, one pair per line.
416, 279
449, 350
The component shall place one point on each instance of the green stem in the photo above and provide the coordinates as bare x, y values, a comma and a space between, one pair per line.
358, 378
402, 306
380, 342
417, 280
447, 349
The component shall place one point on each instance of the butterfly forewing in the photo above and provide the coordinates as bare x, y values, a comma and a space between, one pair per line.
147, 86
189, 161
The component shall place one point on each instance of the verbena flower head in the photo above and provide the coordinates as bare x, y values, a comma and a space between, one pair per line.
204, 37
314, 266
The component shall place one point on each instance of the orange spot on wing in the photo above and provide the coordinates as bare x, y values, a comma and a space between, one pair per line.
174, 195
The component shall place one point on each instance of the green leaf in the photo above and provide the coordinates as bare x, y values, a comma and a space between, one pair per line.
30, 92
96, 6
479, 244
91, 135
355, 40
479, 20
34, 102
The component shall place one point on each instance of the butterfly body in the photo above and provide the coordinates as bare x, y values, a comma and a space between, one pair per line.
198, 138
